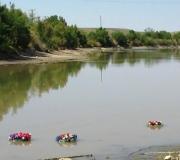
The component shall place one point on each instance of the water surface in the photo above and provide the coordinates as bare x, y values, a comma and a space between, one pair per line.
106, 101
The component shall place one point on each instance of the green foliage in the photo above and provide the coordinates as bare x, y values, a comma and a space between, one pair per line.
5, 29
119, 37
71, 37
82, 38
176, 36
131, 35
149, 32
55, 33
164, 42
164, 35
19, 31
134, 38
100, 37
13, 29
55, 20
148, 41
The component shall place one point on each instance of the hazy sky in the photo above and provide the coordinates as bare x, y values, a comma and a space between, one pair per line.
131, 14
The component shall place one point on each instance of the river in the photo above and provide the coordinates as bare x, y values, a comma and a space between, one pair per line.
107, 101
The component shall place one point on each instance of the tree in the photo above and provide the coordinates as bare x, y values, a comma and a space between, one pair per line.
102, 36
149, 32
119, 37
55, 33
148, 41
14, 31
134, 38
99, 38
71, 37
164, 35
5, 29
81, 38
131, 35
176, 37
55, 20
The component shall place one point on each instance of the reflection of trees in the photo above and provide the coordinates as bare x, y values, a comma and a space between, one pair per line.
13, 89
53, 76
102, 60
149, 57
17, 82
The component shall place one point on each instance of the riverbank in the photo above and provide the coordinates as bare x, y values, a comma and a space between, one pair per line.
36, 57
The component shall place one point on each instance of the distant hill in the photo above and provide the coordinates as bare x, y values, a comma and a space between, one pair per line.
110, 30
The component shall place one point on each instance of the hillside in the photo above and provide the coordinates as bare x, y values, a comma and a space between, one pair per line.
110, 30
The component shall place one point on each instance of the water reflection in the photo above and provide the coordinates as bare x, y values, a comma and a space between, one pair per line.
148, 57
67, 144
156, 127
20, 83
20, 143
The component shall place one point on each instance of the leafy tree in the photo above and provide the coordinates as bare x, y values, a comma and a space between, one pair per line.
58, 35
14, 31
164, 42
55, 33
131, 35
45, 31
91, 39
119, 37
55, 20
148, 41
149, 32
134, 38
82, 38
70, 35
21, 29
164, 35
5, 29
155, 35
176, 36
100, 37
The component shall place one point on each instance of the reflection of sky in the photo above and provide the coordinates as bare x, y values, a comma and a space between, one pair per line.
103, 114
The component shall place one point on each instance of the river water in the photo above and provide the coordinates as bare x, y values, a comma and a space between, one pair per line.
107, 101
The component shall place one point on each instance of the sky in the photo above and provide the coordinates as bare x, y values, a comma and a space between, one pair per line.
137, 15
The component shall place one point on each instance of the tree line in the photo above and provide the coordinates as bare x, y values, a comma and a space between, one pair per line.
19, 31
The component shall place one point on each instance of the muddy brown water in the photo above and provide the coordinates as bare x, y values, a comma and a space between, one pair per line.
107, 102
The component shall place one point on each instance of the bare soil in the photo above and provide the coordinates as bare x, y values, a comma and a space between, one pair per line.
35, 57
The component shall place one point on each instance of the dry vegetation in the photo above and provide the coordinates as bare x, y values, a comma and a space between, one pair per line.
110, 30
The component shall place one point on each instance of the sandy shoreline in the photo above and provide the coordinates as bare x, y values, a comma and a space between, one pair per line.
35, 57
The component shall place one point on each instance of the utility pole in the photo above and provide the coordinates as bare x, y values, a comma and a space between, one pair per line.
100, 22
